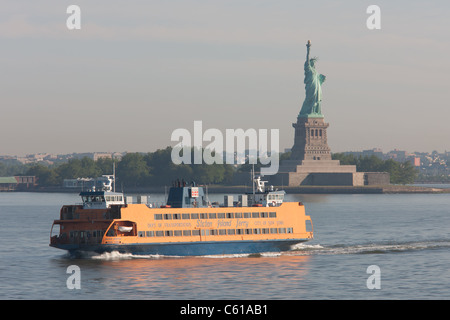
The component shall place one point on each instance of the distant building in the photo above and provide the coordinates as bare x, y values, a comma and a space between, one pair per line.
8, 184
414, 160
26, 182
100, 155
86, 183
79, 183
17, 183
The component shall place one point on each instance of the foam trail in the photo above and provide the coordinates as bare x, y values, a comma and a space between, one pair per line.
115, 255
370, 248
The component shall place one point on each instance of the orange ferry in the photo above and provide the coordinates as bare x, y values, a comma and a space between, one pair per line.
186, 225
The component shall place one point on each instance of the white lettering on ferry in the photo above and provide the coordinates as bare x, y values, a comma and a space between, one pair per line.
221, 223
203, 224
241, 223
177, 224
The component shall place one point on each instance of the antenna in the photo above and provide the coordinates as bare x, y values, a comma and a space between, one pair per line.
253, 181
114, 175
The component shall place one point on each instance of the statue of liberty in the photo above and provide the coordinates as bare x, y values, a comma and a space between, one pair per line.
311, 107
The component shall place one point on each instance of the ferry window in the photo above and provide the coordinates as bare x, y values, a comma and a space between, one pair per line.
213, 215
255, 214
176, 216
205, 232
222, 232
239, 231
272, 214
185, 216
141, 234
282, 230
248, 231
186, 233
231, 231
168, 216
120, 198
265, 230
238, 215
273, 230
290, 230
214, 232
195, 232
257, 231
264, 214
168, 233
230, 215
221, 215
160, 233
150, 233
158, 216
177, 233
203, 216
194, 215
247, 215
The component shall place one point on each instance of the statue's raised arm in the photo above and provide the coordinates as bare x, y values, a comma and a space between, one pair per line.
313, 87
308, 45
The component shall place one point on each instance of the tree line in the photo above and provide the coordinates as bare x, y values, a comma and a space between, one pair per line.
134, 170
157, 169
400, 172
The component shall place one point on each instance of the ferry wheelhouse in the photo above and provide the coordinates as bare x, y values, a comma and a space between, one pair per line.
188, 224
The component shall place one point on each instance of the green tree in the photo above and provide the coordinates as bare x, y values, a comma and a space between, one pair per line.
400, 172
408, 173
45, 175
370, 164
132, 170
345, 159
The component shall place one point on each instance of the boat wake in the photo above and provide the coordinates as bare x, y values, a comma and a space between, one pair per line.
298, 249
369, 248
115, 255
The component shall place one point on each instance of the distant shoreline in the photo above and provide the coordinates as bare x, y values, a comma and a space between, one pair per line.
387, 189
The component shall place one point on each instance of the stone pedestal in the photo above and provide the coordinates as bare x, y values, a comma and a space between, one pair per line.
311, 162
310, 140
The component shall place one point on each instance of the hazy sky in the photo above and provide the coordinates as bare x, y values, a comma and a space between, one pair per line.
137, 70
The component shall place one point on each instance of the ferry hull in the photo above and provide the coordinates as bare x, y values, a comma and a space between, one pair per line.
188, 248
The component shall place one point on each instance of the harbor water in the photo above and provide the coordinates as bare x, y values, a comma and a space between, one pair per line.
366, 246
